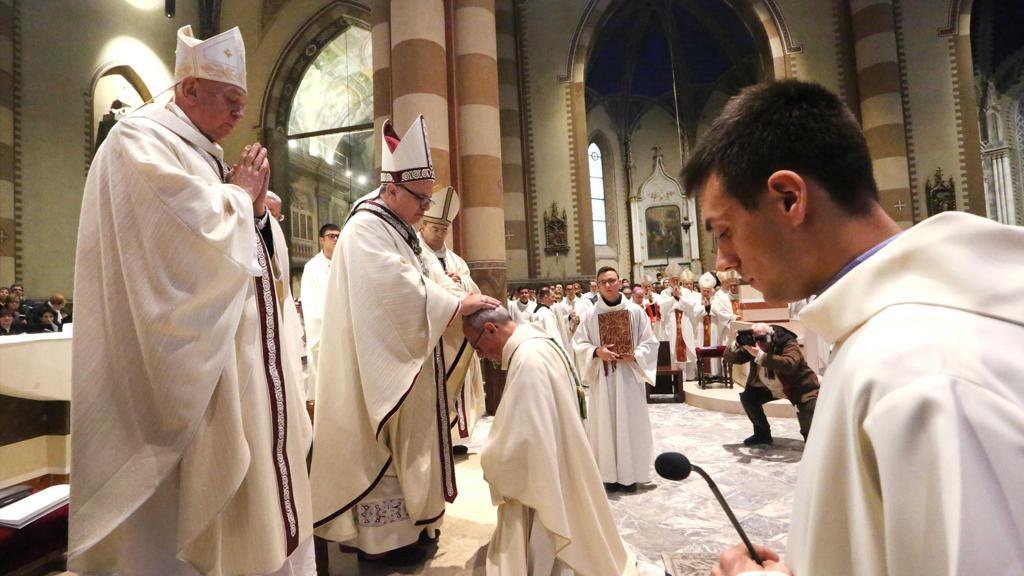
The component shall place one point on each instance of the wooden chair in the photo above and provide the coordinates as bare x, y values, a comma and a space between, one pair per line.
704, 377
667, 376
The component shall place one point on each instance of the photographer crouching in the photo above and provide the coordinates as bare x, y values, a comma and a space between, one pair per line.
781, 372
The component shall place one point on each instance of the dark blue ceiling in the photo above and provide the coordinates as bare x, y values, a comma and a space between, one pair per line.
631, 53
997, 33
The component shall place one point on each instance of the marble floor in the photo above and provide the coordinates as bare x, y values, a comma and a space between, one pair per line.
663, 517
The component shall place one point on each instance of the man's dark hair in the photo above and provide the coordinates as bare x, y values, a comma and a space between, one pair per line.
785, 125
543, 292
521, 288
6, 312
604, 269
328, 227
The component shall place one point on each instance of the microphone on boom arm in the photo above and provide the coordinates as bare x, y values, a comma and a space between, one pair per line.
675, 466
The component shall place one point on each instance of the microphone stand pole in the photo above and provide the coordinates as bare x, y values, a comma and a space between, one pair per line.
728, 512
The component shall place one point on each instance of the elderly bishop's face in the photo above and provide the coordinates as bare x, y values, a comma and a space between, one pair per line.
214, 107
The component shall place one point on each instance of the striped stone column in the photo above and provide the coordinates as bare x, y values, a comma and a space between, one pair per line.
517, 232
7, 229
480, 145
881, 104
419, 75
380, 38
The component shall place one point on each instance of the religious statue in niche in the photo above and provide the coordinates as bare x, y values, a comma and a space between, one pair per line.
556, 232
941, 194
664, 232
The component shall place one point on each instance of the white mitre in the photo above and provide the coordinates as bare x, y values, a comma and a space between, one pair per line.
707, 280
445, 208
673, 270
406, 159
220, 58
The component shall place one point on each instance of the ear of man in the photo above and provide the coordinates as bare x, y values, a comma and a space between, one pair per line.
787, 196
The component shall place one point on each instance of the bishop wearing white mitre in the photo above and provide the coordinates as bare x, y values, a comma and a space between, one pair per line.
711, 315
382, 465
465, 377
618, 425
191, 435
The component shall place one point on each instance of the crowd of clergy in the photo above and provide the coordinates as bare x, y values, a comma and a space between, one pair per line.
193, 451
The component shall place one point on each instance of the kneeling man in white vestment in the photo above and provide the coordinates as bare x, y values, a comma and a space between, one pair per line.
553, 515
619, 426
191, 433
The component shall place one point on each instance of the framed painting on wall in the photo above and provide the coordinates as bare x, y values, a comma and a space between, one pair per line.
664, 232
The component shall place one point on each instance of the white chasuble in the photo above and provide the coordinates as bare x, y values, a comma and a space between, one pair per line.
183, 406
544, 317
553, 514
914, 462
619, 425
382, 464
711, 323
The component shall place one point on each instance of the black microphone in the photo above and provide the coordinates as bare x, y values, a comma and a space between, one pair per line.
675, 466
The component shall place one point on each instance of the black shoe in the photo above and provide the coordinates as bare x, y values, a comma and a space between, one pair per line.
758, 439
460, 449
404, 556
426, 540
611, 487
628, 488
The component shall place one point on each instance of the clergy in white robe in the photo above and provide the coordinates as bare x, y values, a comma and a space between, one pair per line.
553, 514
522, 307
313, 291
190, 430
462, 365
382, 468
914, 462
568, 314
545, 316
677, 326
711, 315
619, 426
914, 466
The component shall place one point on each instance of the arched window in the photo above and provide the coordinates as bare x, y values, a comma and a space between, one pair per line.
330, 137
597, 195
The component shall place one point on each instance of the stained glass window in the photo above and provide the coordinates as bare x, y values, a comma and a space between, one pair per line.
597, 195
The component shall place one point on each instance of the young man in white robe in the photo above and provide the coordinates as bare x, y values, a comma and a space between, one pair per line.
914, 466
190, 430
711, 316
313, 291
619, 426
462, 366
553, 514
383, 468
545, 316
522, 307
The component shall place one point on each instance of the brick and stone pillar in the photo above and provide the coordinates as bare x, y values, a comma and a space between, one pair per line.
881, 103
517, 232
419, 76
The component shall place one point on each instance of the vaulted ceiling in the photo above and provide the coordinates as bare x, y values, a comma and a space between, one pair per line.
667, 52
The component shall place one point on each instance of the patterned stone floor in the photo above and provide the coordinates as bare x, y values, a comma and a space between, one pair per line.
663, 517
